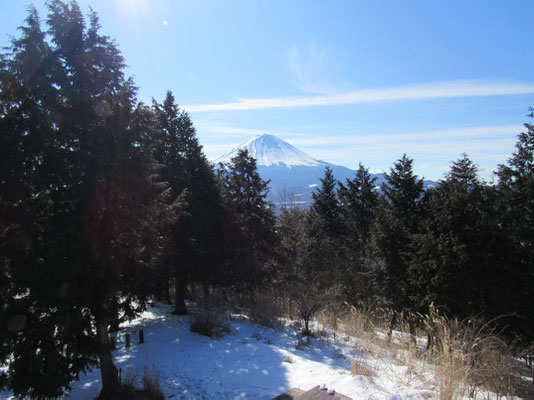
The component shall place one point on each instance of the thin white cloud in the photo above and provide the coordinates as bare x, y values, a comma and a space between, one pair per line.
437, 90
311, 66
229, 131
458, 134
215, 150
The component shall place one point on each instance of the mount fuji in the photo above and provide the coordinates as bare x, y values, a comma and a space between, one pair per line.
294, 175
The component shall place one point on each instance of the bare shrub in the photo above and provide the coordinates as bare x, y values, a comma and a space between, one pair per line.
265, 310
302, 342
151, 385
151, 388
209, 323
307, 305
128, 379
359, 367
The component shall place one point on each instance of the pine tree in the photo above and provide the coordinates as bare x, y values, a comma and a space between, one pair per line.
196, 246
250, 221
325, 211
516, 214
463, 255
326, 229
85, 207
359, 200
452, 243
395, 224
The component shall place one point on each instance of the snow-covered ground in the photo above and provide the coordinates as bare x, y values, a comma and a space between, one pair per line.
251, 362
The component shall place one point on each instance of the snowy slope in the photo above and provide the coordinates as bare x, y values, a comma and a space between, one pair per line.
268, 150
251, 362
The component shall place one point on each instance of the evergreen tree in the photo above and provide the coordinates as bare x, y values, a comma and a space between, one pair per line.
395, 224
325, 211
325, 255
197, 245
359, 200
292, 231
516, 206
250, 221
84, 207
457, 258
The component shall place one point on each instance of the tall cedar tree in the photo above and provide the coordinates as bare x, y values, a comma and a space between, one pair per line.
326, 230
396, 222
196, 246
359, 200
516, 200
460, 250
292, 231
250, 221
81, 205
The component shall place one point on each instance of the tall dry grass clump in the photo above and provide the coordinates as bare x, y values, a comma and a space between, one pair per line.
468, 356
457, 358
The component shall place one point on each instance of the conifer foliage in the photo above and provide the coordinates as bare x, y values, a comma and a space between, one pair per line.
395, 224
250, 220
82, 206
194, 251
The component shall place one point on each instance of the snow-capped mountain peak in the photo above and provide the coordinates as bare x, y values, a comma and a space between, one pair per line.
268, 150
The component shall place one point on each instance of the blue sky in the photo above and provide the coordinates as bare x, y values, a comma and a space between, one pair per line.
344, 81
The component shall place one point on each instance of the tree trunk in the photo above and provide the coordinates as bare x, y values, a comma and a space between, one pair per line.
166, 298
111, 386
179, 301
392, 325
115, 318
163, 288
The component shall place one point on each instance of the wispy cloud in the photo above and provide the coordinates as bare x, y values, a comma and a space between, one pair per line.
437, 90
456, 135
229, 131
310, 66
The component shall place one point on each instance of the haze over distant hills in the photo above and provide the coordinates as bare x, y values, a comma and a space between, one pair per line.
294, 174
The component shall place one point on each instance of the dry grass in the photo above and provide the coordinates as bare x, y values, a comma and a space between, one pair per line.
209, 323
151, 388
359, 367
466, 358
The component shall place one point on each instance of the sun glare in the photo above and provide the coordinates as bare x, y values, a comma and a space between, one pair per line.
134, 13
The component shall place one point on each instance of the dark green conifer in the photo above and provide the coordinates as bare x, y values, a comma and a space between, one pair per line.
250, 223
196, 248
84, 206
396, 222
359, 200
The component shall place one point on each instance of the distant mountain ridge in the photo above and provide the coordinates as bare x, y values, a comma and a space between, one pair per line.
270, 151
294, 175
